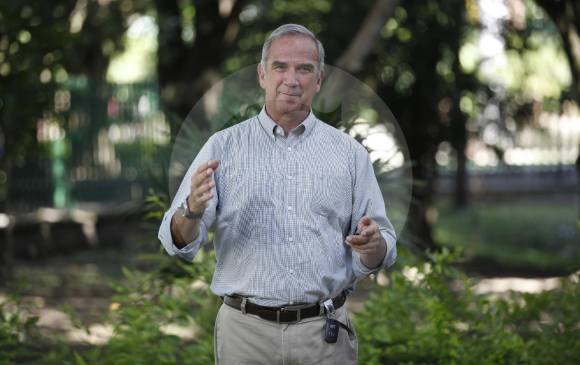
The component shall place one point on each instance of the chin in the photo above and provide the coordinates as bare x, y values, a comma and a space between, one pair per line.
291, 104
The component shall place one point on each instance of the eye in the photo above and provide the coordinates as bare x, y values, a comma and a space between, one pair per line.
278, 67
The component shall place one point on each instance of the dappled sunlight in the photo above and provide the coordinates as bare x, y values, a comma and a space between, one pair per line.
488, 286
56, 322
502, 285
95, 334
188, 332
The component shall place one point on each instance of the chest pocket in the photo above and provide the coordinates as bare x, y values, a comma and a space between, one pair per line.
331, 194
246, 197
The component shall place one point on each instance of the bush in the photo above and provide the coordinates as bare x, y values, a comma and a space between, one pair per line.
431, 316
427, 314
147, 302
15, 328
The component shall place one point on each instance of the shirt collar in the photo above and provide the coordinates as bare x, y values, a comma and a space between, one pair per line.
272, 129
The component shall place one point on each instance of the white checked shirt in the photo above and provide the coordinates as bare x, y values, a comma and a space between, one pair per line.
281, 210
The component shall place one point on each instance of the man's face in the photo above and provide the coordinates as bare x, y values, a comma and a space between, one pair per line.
291, 78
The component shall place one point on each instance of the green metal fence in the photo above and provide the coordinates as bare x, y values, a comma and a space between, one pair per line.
102, 143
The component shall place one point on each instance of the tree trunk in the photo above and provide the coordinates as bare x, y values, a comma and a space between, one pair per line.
360, 46
6, 242
459, 142
187, 71
566, 16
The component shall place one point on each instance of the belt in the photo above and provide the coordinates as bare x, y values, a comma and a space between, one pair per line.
284, 314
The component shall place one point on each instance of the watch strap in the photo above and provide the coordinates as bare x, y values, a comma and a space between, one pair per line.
185, 212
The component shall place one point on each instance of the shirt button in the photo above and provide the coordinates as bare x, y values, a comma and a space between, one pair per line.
289, 208
289, 148
289, 177
290, 239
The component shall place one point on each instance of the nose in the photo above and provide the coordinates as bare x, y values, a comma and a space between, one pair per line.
290, 78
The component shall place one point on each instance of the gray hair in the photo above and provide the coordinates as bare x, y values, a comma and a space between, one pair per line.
289, 30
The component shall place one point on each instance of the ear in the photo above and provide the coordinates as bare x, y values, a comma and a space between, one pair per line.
261, 76
319, 81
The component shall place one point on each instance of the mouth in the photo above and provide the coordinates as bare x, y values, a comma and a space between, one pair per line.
289, 94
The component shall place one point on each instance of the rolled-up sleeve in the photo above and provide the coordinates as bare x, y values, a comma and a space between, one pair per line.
208, 152
390, 257
368, 200
187, 252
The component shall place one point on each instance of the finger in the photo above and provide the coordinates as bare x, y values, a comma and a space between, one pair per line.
205, 198
364, 222
200, 190
361, 249
201, 177
369, 231
214, 164
211, 164
204, 166
207, 168
201, 201
204, 187
357, 240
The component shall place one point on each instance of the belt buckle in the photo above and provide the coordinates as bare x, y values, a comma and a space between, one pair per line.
289, 309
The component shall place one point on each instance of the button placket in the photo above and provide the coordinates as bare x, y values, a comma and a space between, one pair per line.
291, 193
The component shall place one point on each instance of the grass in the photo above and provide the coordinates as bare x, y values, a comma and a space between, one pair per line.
538, 234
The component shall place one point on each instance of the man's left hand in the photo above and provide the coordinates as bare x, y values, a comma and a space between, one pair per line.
369, 242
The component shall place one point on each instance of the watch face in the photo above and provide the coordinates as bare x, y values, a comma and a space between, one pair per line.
183, 208
185, 212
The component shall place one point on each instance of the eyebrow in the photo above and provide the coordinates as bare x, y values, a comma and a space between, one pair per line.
279, 63
307, 66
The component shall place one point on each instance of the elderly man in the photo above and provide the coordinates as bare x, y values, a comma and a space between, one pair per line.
298, 216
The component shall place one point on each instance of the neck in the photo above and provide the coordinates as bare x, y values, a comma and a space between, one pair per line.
289, 121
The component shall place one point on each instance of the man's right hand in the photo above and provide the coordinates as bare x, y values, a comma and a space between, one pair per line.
201, 185
185, 230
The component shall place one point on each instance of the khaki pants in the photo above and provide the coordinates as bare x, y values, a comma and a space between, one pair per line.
246, 339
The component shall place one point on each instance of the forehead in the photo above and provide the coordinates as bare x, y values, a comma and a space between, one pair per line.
293, 48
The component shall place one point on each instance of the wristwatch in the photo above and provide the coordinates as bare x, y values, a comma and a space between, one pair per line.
186, 212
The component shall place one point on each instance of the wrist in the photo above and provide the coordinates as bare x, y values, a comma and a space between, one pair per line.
374, 260
187, 212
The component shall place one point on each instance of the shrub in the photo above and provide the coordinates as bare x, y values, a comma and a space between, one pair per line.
432, 316
147, 302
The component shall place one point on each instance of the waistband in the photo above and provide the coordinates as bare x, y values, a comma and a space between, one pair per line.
283, 314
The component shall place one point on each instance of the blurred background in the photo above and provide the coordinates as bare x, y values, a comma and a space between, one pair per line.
93, 94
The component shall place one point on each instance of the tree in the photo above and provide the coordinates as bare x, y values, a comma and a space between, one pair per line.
566, 16
188, 67
41, 46
417, 70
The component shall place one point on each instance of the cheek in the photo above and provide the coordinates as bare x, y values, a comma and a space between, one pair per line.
275, 82
311, 83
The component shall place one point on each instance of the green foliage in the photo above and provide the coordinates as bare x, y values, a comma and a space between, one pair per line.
147, 302
157, 206
14, 328
512, 234
429, 314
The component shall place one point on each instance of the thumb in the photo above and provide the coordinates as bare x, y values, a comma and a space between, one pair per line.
364, 221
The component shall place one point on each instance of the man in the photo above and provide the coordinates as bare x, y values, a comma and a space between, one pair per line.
299, 218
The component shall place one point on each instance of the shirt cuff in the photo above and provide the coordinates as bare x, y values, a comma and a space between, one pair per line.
361, 270
187, 252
